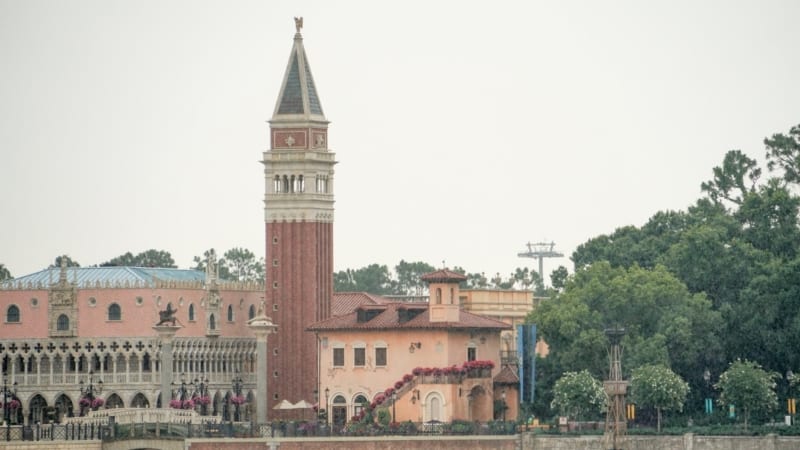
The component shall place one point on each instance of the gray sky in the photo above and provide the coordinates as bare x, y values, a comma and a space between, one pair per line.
463, 130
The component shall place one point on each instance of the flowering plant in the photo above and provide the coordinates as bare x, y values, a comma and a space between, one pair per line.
203, 400
417, 371
12, 404
398, 384
237, 400
84, 401
98, 402
187, 404
408, 377
175, 404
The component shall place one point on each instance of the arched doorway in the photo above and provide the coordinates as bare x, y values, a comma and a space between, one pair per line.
249, 407
434, 408
480, 404
114, 401
339, 411
38, 410
217, 405
63, 407
140, 401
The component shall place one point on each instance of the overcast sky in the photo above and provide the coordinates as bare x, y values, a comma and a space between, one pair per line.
463, 130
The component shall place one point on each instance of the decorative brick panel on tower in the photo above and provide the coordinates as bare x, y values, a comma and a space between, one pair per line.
298, 212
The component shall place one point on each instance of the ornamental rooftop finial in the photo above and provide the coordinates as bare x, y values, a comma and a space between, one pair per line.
298, 24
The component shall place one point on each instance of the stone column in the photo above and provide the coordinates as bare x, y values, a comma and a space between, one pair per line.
261, 326
165, 334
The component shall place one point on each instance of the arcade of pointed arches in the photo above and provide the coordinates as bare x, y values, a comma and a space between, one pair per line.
48, 373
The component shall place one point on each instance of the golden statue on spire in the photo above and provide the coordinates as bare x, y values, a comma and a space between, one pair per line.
298, 23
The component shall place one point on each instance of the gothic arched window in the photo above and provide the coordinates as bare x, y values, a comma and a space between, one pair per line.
191, 311
252, 312
114, 312
63, 323
230, 313
12, 314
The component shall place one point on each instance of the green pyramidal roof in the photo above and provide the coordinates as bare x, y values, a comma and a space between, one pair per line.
298, 96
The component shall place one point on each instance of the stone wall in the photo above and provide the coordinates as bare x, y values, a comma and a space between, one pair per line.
51, 445
524, 442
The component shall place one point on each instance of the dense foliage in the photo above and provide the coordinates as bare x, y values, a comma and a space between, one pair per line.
695, 289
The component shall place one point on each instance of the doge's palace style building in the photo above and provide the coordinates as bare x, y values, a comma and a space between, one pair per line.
64, 326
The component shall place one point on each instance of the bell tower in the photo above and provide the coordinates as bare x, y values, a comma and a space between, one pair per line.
298, 212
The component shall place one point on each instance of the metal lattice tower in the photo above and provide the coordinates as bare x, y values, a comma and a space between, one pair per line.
540, 250
615, 437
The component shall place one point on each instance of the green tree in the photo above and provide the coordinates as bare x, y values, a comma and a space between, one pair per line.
374, 279
5, 274
658, 387
558, 278
765, 326
243, 266
578, 395
768, 219
732, 181
749, 387
409, 275
222, 265
67, 260
522, 277
148, 258
665, 323
783, 152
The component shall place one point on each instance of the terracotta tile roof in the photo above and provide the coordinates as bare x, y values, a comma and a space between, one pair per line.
507, 375
387, 316
347, 302
443, 275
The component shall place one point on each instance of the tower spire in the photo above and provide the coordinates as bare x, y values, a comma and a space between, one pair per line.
298, 96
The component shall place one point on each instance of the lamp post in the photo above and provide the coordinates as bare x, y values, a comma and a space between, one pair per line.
89, 391
394, 401
790, 401
709, 404
200, 391
8, 396
236, 384
504, 404
327, 412
180, 394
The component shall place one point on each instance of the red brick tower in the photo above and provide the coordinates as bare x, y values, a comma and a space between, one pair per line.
298, 170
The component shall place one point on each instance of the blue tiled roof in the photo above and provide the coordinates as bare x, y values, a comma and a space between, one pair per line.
89, 276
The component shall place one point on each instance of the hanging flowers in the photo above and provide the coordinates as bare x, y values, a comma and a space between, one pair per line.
202, 400
175, 404
97, 402
238, 400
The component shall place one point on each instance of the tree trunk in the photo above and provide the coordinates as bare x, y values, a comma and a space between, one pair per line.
658, 411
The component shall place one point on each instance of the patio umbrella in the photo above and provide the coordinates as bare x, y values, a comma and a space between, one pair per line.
302, 404
284, 404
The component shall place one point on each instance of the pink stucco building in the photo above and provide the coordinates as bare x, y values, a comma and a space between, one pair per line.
419, 351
